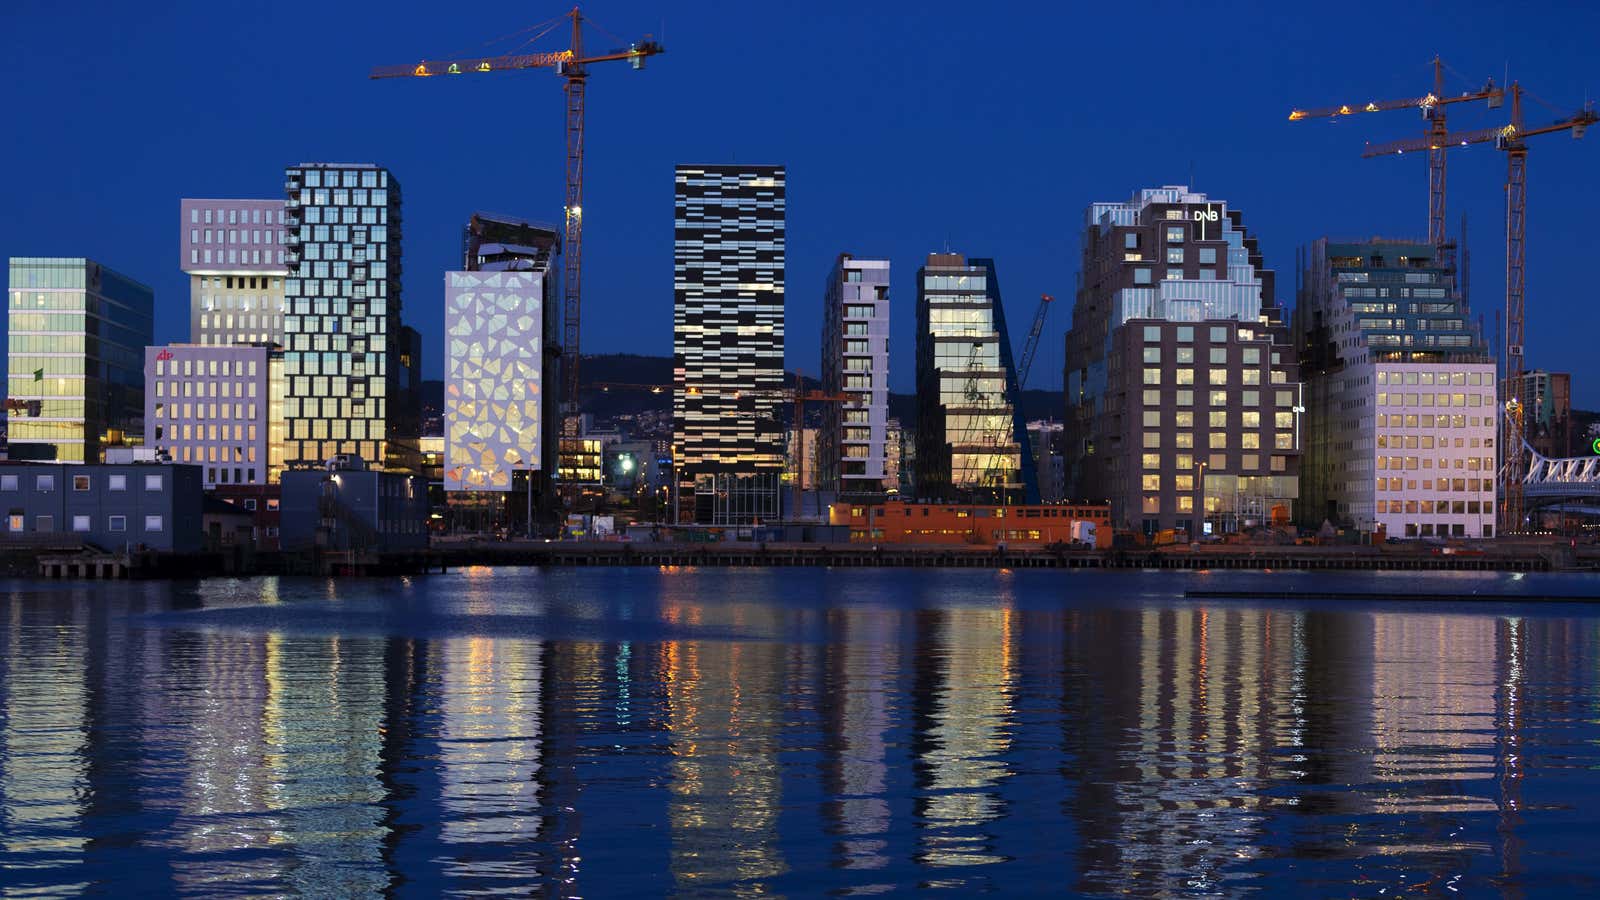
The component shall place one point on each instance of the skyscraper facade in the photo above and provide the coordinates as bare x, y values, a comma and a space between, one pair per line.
1401, 393
1182, 385
971, 443
727, 346
341, 323
75, 358
233, 252
852, 443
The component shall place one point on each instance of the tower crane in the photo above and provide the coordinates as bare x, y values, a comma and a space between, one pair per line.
573, 67
1031, 346
1432, 106
1512, 139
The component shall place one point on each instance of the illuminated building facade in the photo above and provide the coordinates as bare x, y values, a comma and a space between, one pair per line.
971, 441
728, 289
341, 326
1401, 394
493, 394
852, 448
233, 252
502, 431
1182, 383
213, 407
75, 342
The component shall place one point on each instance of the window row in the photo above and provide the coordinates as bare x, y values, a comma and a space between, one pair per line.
46, 523
45, 484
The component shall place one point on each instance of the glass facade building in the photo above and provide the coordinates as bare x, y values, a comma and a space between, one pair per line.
971, 440
75, 360
342, 336
727, 343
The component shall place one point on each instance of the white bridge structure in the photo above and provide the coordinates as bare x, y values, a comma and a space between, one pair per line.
1574, 478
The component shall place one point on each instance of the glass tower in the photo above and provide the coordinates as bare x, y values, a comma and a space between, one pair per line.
341, 324
971, 441
77, 333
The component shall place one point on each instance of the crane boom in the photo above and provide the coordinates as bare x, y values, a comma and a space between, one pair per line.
572, 65
1031, 346
1432, 106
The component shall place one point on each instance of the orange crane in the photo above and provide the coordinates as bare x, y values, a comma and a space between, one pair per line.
1432, 106
573, 66
1512, 139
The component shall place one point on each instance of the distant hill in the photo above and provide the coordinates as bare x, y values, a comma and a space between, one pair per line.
640, 372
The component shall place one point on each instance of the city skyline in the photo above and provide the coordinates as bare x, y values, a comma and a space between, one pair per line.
1300, 181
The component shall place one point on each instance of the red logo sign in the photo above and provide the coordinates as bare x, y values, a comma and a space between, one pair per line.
164, 355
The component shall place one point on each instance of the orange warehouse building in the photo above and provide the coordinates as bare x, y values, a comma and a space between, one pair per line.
900, 522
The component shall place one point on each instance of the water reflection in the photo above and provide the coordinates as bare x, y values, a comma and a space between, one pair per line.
759, 733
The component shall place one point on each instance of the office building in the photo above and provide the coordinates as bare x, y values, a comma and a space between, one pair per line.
727, 344
1181, 381
1400, 394
212, 406
895, 471
111, 506
971, 442
76, 337
233, 252
853, 442
341, 326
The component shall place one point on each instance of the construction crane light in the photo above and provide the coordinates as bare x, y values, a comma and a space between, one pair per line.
421, 70
1296, 115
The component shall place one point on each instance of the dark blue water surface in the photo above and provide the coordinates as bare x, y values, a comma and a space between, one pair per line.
605, 732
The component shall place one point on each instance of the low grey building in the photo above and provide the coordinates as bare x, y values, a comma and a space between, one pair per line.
346, 506
113, 507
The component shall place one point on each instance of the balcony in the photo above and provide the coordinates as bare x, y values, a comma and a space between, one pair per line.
291, 203
292, 221
291, 184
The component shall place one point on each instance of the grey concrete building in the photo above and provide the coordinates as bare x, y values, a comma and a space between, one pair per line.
214, 406
233, 252
113, 507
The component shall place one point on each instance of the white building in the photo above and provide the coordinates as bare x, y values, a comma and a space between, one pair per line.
215, 407
1401, 407
494, 382
233, 252
853, 442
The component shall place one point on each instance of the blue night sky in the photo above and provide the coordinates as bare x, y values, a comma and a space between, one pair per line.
985, 127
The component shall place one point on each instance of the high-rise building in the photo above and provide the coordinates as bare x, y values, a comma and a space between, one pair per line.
1182, 386
212, 406
1400, 394
727, 344
971, 441
341, 325
1546, 399
502, 362
852, 443
233, 251
77, 333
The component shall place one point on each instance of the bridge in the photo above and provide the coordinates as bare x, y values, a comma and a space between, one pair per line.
1556, 480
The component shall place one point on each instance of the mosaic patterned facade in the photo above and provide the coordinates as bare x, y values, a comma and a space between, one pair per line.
493, 377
